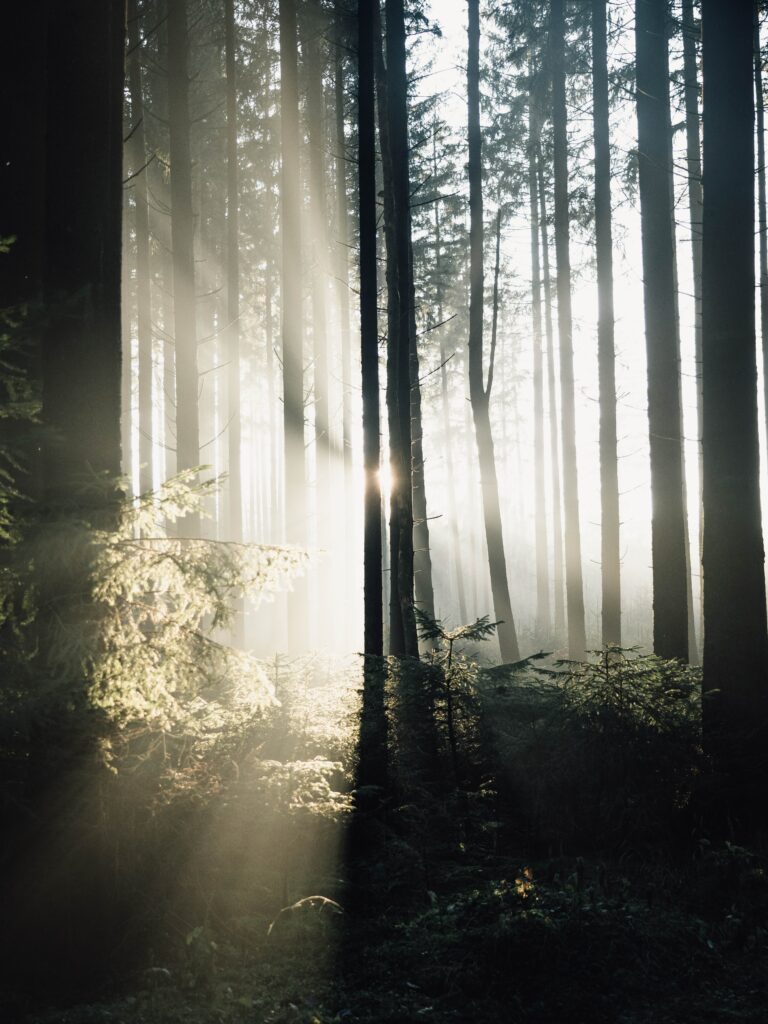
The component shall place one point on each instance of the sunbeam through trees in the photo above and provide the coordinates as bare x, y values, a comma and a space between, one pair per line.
383, 628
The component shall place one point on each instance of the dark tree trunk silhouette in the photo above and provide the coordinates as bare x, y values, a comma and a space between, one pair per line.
554, 423
762, 206
543, 620
693, 160
394, 618
736, 636
342, 265
606, 356
126, 372
294, 494
232, 336
138, 164
422, 559
479, 391
574, 586
318, 214
369, 338
393, 126
182, 243
81, 356
445, 411
233, 282
668, 534
372, 766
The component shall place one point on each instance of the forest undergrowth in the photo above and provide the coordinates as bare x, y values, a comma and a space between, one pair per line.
544, 862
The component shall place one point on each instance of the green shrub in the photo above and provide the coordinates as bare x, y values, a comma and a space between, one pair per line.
599, 755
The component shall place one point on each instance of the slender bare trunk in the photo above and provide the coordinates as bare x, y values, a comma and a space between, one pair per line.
138, 160
393, 127
233, 282
606, 354
543, 622
761, 204
736, 635
342, 268
369, 338
668, 530
295, 501
422, 558
574, 586
445, 409
480, 392
558, 573
318, 211
182, 243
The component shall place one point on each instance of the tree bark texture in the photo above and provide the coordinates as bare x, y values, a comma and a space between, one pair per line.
294, 493
422, 558
314, 59
369, 339
574, 586
736, 636
81, 345
445, 410
394, 136
606, 354
182, 244
233, 280
342, 268
668, 531
693, 159
479, 393
762, 205
554, 423
138, 167
372, 762
543, 617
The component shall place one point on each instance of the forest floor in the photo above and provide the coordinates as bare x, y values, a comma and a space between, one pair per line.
496, 939
451, 918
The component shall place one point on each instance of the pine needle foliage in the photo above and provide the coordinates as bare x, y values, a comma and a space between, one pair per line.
454, 680
600, 754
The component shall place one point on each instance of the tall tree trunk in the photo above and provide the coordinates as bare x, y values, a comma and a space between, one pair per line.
393, 127
574, 587
169, 365
294, 498
126, 372
554, 440
479, 391
233, 282
342, 270
762, 206
138, 162
543, 623
736, 635
445, 409
275, 517
394, 617
606, 354
422, 559
369, 336
668, 534
348, 520
372, 766
81, 340
313, 60
693, 160
182, 243
232, 335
